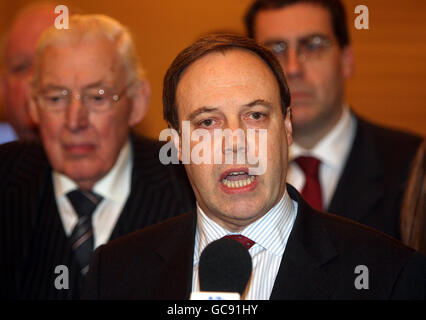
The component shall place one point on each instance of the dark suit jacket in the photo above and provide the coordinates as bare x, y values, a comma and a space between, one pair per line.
32, 238
319, 262
373, 181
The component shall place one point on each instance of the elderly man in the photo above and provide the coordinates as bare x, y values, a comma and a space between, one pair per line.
336, 154
230, 82
97, 182
19, 55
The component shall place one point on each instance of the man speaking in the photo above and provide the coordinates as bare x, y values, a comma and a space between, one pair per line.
230, 82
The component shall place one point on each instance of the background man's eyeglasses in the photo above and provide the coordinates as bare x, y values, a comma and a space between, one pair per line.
94, 99
308, 49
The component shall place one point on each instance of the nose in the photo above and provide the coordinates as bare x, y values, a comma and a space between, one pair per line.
234, 137
77, 116
293, 67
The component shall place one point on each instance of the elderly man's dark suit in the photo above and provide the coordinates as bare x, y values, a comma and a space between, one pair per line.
319, 262
32, 238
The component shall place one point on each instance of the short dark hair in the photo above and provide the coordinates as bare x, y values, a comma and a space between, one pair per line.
216, 43
334, 7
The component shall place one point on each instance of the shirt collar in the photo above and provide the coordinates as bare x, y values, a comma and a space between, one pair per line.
270, 232
333, 147
115, 185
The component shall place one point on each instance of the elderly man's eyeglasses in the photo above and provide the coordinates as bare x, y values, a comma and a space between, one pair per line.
308, 49
94, 99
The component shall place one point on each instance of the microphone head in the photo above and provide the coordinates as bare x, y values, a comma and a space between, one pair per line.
225, 266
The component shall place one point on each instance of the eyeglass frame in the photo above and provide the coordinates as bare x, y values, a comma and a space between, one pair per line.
114, 98
303, 57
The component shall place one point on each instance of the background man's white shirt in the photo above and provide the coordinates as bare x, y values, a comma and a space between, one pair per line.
333, 151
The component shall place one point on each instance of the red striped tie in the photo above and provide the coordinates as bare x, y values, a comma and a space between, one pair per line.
311, 191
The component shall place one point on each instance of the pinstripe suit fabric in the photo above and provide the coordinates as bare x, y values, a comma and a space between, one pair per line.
32, 238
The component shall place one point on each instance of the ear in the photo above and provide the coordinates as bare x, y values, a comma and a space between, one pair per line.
176, 141
141, 95
347, 62
288, 127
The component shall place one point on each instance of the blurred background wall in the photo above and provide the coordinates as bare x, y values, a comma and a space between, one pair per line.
389, 85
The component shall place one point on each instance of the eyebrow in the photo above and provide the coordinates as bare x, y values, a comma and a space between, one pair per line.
52, 87
202, 110
299, 39
94, 85
199, 111
89, 86
258, 102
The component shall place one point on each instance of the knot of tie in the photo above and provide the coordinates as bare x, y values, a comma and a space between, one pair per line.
246, 242
84, 202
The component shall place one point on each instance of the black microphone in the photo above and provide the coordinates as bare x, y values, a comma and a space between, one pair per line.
225, 266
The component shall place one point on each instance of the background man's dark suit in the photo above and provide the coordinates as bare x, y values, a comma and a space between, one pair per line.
318, 263
32, 237
373, 180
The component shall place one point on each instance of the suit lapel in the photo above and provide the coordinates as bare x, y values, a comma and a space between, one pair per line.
49, 248
30, 182
362, 172
138, 209
301, 274
155, 194
177, 252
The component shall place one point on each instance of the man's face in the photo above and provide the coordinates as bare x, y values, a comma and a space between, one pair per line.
235, 90
316, 80
20, 55
80, 143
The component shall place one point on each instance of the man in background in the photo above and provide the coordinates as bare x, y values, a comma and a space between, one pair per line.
18, 63
91, 180
337, 156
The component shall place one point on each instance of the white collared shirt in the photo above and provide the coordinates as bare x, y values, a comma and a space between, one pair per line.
332, 150
270, 234
114, 187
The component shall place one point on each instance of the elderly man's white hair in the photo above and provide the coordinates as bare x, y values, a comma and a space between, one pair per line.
89, 27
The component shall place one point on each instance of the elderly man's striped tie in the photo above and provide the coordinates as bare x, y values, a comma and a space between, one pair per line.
84, 203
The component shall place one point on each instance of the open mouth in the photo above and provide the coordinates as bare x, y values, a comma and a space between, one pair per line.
235, 179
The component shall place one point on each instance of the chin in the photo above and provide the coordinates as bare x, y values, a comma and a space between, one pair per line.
82, 174
301, 124
243, 212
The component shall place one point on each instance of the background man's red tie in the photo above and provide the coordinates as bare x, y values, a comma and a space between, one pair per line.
311, 191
